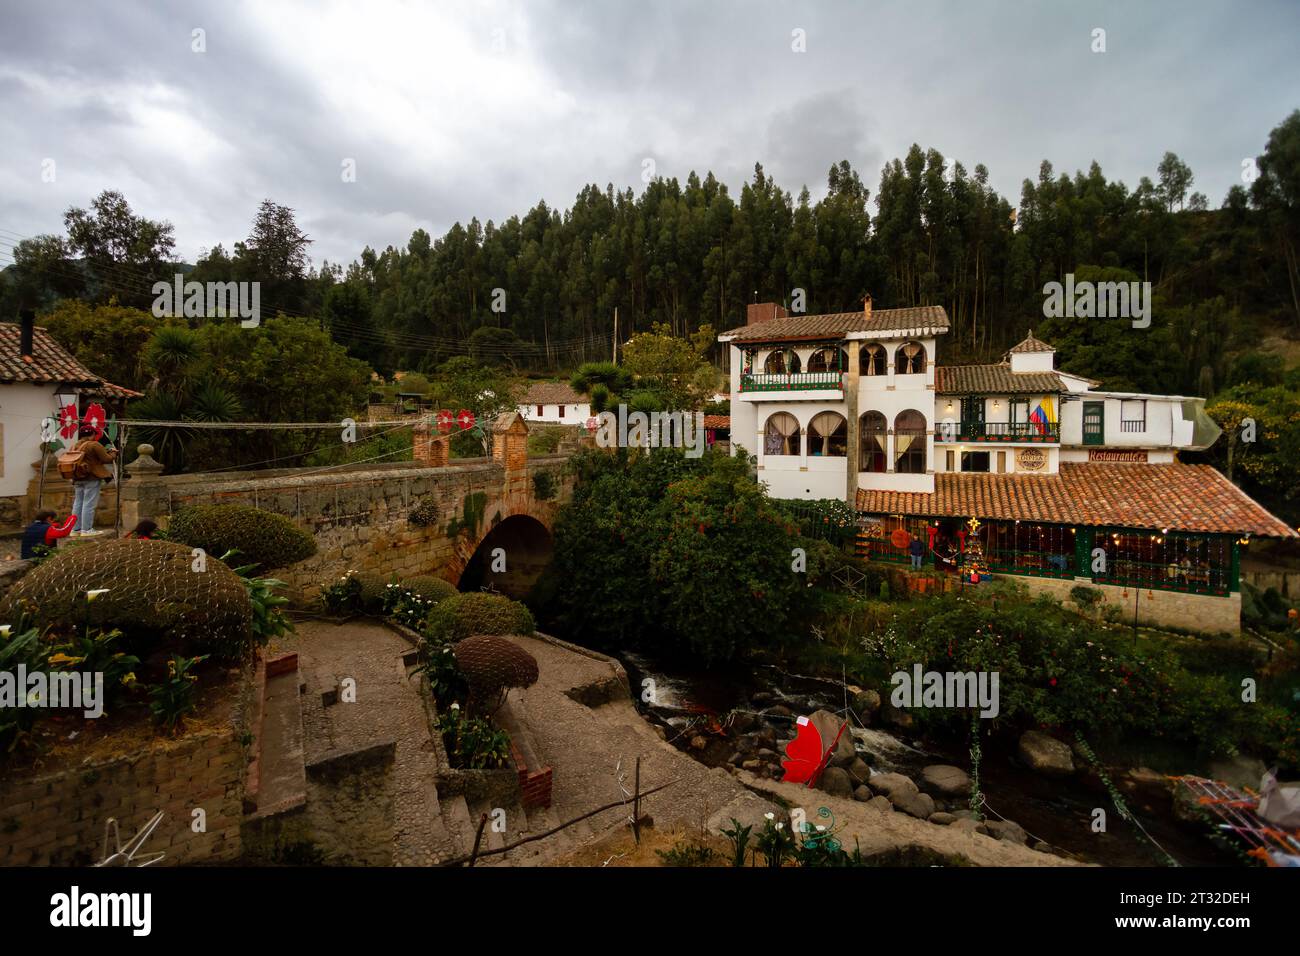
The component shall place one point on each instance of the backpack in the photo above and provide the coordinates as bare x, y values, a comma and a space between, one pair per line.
73, 464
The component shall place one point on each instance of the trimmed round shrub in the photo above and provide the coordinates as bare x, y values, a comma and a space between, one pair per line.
154, 596
262, 538
429, 588
462, 615
492, 665
373, 586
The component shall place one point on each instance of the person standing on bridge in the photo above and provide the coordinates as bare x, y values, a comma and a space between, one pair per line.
88, 479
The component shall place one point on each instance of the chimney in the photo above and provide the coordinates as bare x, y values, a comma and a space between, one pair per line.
757, 312
26, 322
866, 306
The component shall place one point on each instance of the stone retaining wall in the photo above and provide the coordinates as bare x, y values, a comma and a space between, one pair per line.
58, 818
1207, 613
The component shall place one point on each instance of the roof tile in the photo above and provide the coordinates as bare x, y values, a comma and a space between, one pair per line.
919, 320
1186, 497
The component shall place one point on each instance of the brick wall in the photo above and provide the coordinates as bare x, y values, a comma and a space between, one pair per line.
58, 819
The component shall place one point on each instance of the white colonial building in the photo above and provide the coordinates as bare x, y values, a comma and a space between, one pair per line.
852, 406
555, 403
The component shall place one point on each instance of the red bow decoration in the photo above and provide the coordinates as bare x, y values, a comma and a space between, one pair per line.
69, 425
805, 760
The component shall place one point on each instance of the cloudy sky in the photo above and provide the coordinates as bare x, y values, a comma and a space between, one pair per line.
453, 110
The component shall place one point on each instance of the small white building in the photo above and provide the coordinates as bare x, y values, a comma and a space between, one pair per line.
555, 403
37, 378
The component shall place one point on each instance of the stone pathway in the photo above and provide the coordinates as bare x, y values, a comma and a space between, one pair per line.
591, 747
388, 707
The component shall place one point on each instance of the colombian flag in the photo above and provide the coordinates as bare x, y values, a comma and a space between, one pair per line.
1044, 415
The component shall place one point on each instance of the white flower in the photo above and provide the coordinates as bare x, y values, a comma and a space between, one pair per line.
770, 816
455, 706
780, 826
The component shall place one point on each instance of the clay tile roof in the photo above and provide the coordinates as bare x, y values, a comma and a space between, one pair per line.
717, 421
50, 363
552, 393
1184, 497
993, 380
1031, 344
919, 321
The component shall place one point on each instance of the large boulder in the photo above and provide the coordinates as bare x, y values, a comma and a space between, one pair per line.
1045, 754
836, 782
944, 780
859, 771
887, 784
866, 703
914, 803
1006, 830
828, 725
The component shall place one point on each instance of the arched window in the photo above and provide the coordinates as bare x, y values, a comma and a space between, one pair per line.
871, 358
828, 360
873, 442
828, 435
909, 442
782, 362
910, 359
781, 435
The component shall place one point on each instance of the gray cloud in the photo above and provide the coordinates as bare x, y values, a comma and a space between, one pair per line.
454, 113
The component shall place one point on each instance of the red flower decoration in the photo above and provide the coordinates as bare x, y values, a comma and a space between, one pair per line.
68, 422
465, 419
444, 421
96, 419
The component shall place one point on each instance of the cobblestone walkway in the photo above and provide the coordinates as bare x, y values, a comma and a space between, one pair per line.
387, 707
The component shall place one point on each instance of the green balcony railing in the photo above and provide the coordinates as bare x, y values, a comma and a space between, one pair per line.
793, 382
1048, 432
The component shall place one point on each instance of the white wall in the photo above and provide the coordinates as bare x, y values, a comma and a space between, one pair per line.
575, 413
1165, 427
21, 409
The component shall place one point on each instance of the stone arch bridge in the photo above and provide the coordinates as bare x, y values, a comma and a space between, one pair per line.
427, 516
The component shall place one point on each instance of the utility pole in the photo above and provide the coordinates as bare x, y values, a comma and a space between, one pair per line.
615, 335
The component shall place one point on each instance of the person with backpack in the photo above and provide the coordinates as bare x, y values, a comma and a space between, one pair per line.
44, 532
87, 467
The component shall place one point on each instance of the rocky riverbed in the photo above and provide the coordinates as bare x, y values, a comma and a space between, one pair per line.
1037, 791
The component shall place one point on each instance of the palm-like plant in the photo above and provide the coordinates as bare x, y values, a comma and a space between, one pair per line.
171, 353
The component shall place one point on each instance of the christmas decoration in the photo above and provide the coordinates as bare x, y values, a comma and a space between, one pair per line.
974, 566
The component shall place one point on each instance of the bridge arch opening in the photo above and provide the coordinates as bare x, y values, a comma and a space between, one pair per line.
510, 558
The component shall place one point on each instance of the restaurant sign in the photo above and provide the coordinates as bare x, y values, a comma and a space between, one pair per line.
1095, 454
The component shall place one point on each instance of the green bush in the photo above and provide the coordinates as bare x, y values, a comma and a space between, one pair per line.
429, 587
463, 615
154, 596
262, 538
372, 588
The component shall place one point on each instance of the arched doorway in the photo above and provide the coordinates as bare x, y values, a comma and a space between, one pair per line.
525, 549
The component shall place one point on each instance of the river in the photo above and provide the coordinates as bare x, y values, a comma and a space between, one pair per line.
1059, 812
